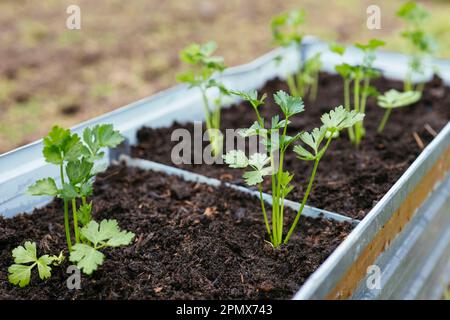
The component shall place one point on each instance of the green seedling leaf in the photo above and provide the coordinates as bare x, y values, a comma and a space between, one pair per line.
286, 27
60, 145
100, 136
338, 49
106, 234
85, 213
254, 130
289, 105
257, 161
413, 13
339, 119
79, 170
20, 274
236, 159
395, 99
44, 187
373, 44
345, 70
68, 192
251, 97
86, 257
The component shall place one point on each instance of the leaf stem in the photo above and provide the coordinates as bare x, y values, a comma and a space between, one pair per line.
347, 81
383, 122
66, 212
308, 190
263, 206
75, 221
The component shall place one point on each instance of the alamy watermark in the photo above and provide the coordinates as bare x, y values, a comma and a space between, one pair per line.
373, 281
73, 21
195, 147
374, 18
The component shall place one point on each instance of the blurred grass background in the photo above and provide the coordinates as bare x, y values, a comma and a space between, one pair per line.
127, 50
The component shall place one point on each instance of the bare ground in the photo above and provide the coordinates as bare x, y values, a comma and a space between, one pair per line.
129, 49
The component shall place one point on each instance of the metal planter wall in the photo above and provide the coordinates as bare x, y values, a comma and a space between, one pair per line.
407, 234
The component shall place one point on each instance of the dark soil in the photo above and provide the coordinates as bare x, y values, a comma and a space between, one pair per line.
192, 242
350, 180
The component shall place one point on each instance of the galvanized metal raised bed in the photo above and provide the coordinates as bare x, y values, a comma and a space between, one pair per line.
407, 234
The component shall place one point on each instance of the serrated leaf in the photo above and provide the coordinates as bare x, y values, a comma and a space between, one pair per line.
303, 154
254, 130
339, 119
107, 136
86, 189
395, 99
107, 232
289, 105
79, 170
43, 187
258, 160
250, 96
85, 213
19, 275
314, 139
25, 253
52, 154
44, 269
57, 137
236, 159
73, 148
68, 192
86, 257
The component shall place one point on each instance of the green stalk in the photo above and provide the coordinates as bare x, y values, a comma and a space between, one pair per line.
308, 190
210, 118
292, 86
386, 115
356, 97
75, 221
300, 84
360, 124
347, 81
274, 206
315, 85
263, 206
66, 212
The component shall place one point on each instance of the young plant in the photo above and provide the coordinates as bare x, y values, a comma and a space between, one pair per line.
203, 67
421, 43
77, 161
393, 99
25, 259
262, 165
286, 31
364, 73
360, 76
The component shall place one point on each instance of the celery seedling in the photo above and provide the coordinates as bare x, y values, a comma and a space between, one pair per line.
422, 44
263, 165
203, 66
360, 75
393, 99
77, 159
25, 259
364, 73
286, 32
